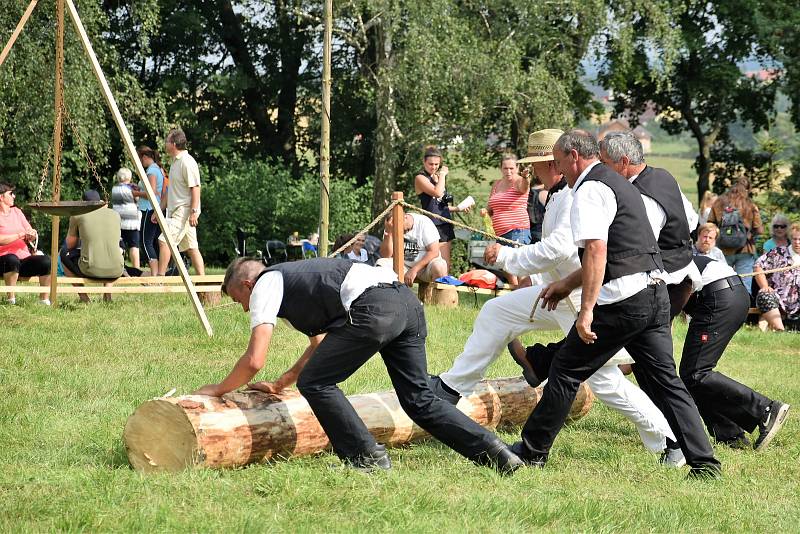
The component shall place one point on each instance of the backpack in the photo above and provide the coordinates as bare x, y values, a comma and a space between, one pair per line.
732, 231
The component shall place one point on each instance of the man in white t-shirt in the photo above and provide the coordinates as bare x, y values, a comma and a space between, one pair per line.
181, 205
349, 311
420, 249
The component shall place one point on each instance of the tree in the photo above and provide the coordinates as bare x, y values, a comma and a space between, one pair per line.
684, 58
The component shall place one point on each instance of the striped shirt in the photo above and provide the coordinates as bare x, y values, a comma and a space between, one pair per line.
509, 211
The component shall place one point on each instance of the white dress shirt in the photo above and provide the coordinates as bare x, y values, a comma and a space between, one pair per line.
594, 207
556, 256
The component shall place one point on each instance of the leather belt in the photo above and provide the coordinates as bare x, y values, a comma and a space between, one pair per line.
719, 285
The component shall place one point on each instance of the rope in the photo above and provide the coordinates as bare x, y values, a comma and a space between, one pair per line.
461, 225
367, 228
773, 271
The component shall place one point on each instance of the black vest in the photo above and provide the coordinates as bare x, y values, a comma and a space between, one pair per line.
701, 262
434, 205
311, 293
673, 241
631, 246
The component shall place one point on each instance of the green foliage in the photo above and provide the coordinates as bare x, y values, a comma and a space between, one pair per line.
788, 197
268, 203
761, 168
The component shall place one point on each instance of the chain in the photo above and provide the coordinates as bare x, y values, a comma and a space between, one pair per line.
84, 151
45, 173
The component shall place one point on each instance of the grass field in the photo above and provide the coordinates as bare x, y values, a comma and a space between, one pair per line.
71, 376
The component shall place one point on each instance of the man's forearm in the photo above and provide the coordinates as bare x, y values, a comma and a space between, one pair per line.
429, 256
593, 269
195, 202
290, 376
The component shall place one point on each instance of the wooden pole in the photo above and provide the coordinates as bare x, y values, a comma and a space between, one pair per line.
17, 30
170, 434
325, 148
57, 133
131, 150
398, 219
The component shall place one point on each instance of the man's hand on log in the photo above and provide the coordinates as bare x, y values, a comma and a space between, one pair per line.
267, 387
212, 390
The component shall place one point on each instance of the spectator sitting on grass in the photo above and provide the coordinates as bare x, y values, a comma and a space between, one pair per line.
420, 249
706, 242
92, 246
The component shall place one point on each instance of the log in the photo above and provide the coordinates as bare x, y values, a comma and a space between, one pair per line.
171, 434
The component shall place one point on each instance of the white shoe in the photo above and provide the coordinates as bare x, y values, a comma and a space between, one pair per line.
45, 302
12, 301
672, 458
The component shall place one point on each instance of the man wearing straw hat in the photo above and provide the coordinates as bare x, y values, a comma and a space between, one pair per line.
504, 318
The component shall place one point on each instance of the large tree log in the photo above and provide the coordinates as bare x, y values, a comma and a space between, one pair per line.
244, 427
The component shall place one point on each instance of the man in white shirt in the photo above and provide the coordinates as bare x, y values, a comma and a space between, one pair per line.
181, 205
349, 312
730, 409
504, 318
621, 306
421, 245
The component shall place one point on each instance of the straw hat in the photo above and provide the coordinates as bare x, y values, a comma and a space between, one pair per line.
540, 145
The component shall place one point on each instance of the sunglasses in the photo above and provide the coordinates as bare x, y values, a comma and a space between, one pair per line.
779, 226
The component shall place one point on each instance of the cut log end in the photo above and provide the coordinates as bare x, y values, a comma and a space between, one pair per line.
160, 437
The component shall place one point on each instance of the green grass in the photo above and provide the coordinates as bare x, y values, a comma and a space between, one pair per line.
71, 376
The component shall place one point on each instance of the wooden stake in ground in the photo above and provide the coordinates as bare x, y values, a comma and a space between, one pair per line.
170, 434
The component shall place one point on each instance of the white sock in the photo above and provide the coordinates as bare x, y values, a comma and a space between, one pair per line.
46, 302
12, 300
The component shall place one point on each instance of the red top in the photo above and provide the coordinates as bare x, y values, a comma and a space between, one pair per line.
13, 223
509, 211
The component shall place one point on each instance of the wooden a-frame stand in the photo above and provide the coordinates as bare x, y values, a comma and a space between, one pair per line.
123, 131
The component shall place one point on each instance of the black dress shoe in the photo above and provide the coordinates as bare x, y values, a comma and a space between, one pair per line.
368, 462
441, 390
534, 460
524, 361
499, 457
738, 442
705, 472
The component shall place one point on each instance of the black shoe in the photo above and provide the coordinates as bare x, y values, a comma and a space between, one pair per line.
705, 472
440, 389
533, 460
368, 462
499, 457
774, 417
739, 442
524, 361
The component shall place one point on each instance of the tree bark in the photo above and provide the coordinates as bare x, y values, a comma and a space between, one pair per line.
385, 153
232, 35
170, 434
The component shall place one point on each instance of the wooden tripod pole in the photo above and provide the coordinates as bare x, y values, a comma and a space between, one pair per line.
57, 133
131, 150
325, 148
17, 30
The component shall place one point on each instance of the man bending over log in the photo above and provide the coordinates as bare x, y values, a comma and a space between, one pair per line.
349, 312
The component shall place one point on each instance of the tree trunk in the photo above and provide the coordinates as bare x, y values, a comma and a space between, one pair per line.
169, 434
293, 40
385, 153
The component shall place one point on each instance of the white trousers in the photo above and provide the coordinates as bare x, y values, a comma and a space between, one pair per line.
506, 317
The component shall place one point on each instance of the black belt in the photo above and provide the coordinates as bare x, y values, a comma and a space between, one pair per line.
719, 285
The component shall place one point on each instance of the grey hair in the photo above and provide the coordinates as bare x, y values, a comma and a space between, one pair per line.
618, 144
241, 269
508, 156
581, 141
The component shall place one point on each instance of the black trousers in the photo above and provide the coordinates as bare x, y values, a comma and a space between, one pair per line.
728, 408
389, 320
34, 265
641, 324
